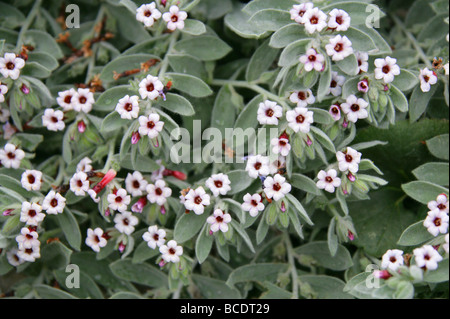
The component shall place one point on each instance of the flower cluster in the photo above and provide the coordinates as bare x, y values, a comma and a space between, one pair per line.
148, 14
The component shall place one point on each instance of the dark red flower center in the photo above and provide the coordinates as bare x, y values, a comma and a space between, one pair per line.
68, 99
302, 95
314, 20
32, 213
128, 107
276, 187
339, 20
198, 200
31, 179
270, 113
328, 179
148, 13
338, 47
150, 87
386, 69
300, 119
150, 124
437, 222
258, 166
174, 18
10, 65
218, 184
312, 58
333, 84
219, 219
82, 99
136, 184
348, 158
355, 107
11, 155
172, 251
54, 202
254, 203
158, 191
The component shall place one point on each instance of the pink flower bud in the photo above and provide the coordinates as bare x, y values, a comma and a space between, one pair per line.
345, 124
7, 212
25, 89
163, 210
139, 206
107, 212
211, 232
163, 3
308, 141
109, 176
135, 137
162, 263
382, 274
178, 175
81, 126
351, 177
386, 88
283, 207
122, 247
351, 236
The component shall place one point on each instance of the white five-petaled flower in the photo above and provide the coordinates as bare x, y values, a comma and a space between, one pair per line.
313, 60
219, 221
31, 214
280, 145
339, 20
314, 20
339, 48
386, 69
218, 184
85, 165
13, 257
11, 156
53, 120
150, 125
298, 11
436, 222
269, 112
135, 184
95, 239
337, 81
30, 254
158, 192
150, 87
335, 111
175, 18
10, 65
119, 200
196, 200
441, 203
300, 119
427, 79
83, 101
349, 160
154, 237
355, 108
79, 183
302, 98
54, 203
257, 165
27, 238
125, 222
328, 180
31, 180
148, 14
171, 252
3, 91
427, 257
253, 204
445, 246
392, 259
276, 187
363, 61
66, 99
128, 107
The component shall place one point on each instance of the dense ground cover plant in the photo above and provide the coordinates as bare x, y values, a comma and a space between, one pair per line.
222, 149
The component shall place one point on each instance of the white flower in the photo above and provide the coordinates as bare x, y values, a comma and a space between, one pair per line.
337, 81
171, 252
31, 214
392, 259
276, 187
53, 120
427, 79
175, 18
119, 200
54, 203
150, 87
339, 48
95, 239
79, 183
300, 119
125, 222
339, 20
196, 200
31, 180
440, 203
148, 14
135, 184
30, 254
269, 112
302, 98
312, 60
10, 66
83, 101
436, 222
355, 108
253, 204
280, 146
363, 61
66, 99
27, 238
314, 20
4, 114
257, 165
85, 165
276, 165
8, 131
445, 246
13, 257
128, 107
328, 180
219, 184
427, 257
150, 125
298, 11
349, 160
219, 221
10, 156
335, 111
3, 91
158, 192
386, 69
446, 68
154, 237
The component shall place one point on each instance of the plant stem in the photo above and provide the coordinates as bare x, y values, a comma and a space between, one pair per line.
31, 15
112, 146
165, 62
290, 252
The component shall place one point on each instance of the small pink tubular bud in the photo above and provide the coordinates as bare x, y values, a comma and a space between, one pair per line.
139, 206
382, 274
81, 126
109, 176
135, 137
122, 247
